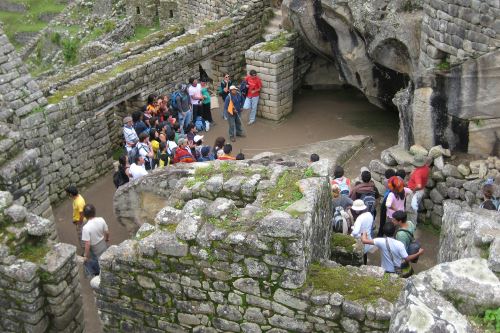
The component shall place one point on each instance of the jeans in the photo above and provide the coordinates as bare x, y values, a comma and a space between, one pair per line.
251, 103
234, 125
184, 119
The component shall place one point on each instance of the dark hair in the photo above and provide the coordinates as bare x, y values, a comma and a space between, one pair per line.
240, 157
137, 158
253, 72
339, 171
314, 158
143, 136
389, 229
488, 191
152, 134
366, 176
399, 216
122, 160
191, 80
219, 142
176, 126
163, 146
136, 116
389, 173
228, 148
88, 211
72, 190
401, 173
189, 127
151, 98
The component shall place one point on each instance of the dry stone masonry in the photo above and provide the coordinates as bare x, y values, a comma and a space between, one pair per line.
39, 283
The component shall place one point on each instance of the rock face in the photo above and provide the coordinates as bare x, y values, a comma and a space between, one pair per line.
400, 53
427, 303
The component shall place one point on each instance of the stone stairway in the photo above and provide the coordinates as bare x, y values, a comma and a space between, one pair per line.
275, 23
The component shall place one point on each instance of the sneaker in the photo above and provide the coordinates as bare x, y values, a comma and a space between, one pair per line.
251, 122
233, 139
241, 135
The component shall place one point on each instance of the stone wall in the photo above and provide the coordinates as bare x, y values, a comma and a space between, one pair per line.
39, 283
230, 252
462, 183
195, 12
276, 70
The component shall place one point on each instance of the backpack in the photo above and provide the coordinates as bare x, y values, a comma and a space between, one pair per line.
244, 88
370, 202
199, 124
414, 244
173, 100
343, 186
339, 222
118, 179
133, 153
495, 201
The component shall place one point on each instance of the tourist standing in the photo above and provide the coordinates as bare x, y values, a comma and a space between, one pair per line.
223, 90
183, 106
206, 103
232, 111
78, 205
383, 210
194, 92
95, 235
396, 199
344, 183
363, 224
145, 150
129, 133
366, 191
122, 175
417, 182
137, 169
252, 99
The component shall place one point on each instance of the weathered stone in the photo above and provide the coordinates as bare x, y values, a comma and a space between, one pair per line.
449, 170
279, 224
220, 207
418, 150
247, 285
188, 228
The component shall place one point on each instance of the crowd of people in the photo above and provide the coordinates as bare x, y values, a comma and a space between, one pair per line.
169, 128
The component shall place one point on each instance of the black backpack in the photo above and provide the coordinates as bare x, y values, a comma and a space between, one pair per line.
119, 179
370, 202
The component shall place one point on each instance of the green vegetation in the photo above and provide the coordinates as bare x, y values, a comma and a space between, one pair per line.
484, 251
33, 251
444, 65
117, 153
353, 287
344, 241
109, 26
429, 227
70, 48
229, 222
285, 193
135, 61
170, 227
37, 109
410, 6
28, 21
55, 38
145, 234
489, 322
276, 44
309, 173
140, 32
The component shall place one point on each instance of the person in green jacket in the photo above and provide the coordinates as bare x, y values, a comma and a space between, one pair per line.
205, 106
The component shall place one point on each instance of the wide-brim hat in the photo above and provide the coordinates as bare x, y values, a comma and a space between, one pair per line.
419, 161
358, 205
233, 88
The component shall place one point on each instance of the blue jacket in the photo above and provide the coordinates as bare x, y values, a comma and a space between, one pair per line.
237, 101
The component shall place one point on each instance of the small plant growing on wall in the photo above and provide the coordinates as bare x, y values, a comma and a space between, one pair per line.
70, 49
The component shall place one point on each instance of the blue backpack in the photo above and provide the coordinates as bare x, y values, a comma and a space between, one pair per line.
199, 124
244, 88
173, 99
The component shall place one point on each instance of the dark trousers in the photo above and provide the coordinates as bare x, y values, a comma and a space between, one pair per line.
206, 112
197, 111
235, 127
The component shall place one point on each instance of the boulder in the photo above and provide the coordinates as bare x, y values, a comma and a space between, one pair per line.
401, 156
418, 150
437, 151
450, 170
463, 169
387, 158
439, 162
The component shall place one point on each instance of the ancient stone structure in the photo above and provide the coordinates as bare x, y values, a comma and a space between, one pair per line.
39, 283
230, 252
436, 60
275, 67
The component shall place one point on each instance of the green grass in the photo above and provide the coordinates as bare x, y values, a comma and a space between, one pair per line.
230, 223
140, 32
28, 21
443, 65
74, 89
276, 44
353, 287
285, 193
117, 153
34, 252
344, 241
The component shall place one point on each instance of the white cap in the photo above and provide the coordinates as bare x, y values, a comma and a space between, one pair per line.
197, 138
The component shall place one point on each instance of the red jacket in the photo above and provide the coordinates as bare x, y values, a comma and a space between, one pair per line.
182, 155
254, 83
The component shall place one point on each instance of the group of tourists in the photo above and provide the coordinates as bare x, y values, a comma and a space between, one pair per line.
169, 128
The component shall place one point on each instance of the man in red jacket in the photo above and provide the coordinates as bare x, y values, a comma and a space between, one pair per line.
254, 85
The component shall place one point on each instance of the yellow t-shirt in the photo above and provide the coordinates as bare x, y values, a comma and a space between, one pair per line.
78, 204
155, 145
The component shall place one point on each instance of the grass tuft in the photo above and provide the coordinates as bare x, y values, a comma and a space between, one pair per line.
285, 193
345, 241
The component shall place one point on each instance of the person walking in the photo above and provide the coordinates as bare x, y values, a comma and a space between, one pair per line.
223, 90
232, 111
183, 106
254, 84
95, 235
362, 224
78, 205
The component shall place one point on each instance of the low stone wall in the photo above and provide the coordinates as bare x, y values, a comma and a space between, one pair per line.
230, 252
461, 184
39, 283
275, 68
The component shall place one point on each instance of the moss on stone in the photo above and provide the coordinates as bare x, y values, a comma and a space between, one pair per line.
33, 251
354, 287
170, 227
276, 44
285, 193
344, 241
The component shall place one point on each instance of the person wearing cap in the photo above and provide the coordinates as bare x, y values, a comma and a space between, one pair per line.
417, 182
232, 111
183, 152
78, 205
198, 144
183, 107
252, 99
363, 224
129, 133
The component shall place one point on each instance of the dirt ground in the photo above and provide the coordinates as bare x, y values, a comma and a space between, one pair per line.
317, 115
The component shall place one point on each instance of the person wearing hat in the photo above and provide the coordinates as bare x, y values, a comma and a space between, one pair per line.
129, 133
198, 144
418, 181
183, 106
233, 106
363, 223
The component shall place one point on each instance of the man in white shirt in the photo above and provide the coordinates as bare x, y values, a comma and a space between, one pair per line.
129, 133
363, 223
95, 235
195, 96
392, 251
137, 169
146, 150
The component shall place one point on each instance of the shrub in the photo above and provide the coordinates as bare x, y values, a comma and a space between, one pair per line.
70, 49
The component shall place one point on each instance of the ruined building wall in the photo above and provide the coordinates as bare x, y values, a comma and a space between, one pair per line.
217, 260
195, 12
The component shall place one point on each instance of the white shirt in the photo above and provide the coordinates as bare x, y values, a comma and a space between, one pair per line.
137, 171
363, 223
130, 136
94, 230
398, 253
170, 146
194, 91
